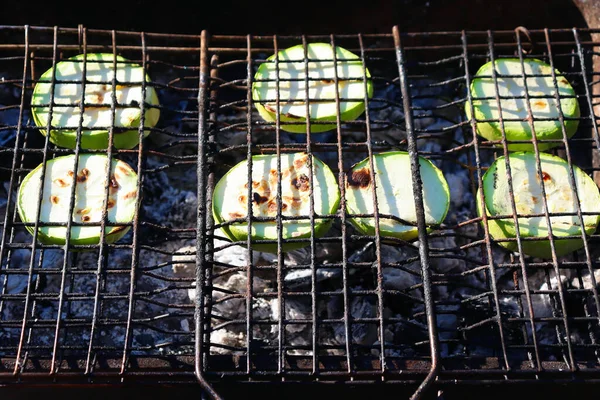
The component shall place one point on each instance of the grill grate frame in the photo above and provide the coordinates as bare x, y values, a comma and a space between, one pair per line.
212, 74
418, 57
109, 297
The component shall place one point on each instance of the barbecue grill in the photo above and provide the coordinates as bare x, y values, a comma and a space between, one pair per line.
175, 302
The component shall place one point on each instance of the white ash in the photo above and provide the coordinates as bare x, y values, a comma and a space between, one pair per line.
238, 256
184, 262
229, 257
266, 309
228, 338
235, 308
234, 257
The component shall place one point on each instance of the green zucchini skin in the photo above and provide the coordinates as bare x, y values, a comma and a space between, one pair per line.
230, 200
292, 113
529, 200
395, 195
542, 103
95, 129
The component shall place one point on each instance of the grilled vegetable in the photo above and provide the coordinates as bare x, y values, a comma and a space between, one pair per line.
230, 199
527, 189
88, 203
511, 89
291, 66
99, 98
394, 190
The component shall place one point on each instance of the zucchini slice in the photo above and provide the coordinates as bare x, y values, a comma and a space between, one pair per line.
351, 87
527, 189
543, 104
230, 199
394, 191
97, 114
88, 204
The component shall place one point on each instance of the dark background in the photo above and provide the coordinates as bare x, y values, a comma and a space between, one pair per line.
292, 17
545, 391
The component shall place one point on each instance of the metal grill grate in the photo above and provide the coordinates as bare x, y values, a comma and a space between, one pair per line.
449, 307
116, 310
465, 310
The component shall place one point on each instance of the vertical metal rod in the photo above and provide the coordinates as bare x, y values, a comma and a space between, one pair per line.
201, 215
486, 233
38, 285
555, 307
40, 263
13, 175
66, 259
511, 196
102, 259
279, 222
135, 250
311, 178
249, 216
572, 365
520, 308
206, 176
343, 222
374, 199
423, 243
35, 233
64, 332
343, 211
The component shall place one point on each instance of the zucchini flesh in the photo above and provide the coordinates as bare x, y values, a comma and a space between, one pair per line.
89, 201
320, 88
127, 96
515, 113
394, 189
561, 198
230, 198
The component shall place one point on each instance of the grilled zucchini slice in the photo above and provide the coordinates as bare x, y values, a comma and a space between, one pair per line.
527, 189
394, 190
292, 69
230, 199
99, 97
89, 201
511, 89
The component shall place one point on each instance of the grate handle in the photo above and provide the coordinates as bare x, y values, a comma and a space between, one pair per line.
423, 244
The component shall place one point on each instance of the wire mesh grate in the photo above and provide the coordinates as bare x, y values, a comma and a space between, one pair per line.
354, 306
99, 311
178, 299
